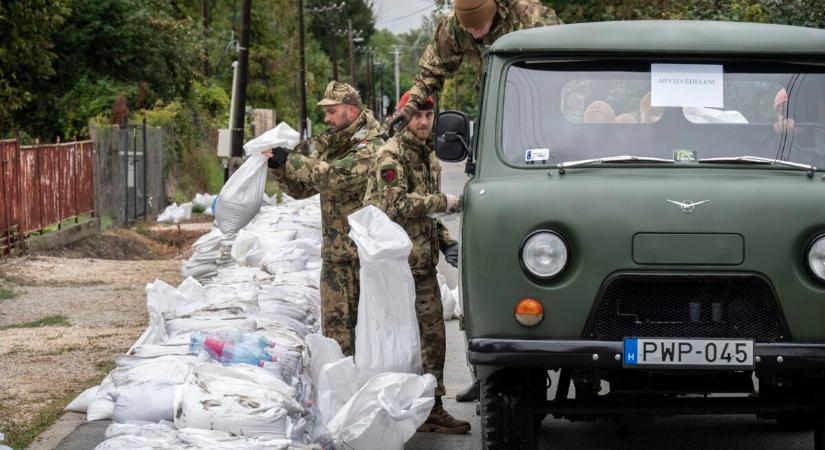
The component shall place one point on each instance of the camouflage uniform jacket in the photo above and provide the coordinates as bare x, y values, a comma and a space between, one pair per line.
406, 184
451, 43
337, 168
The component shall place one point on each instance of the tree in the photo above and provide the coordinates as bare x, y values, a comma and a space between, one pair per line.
26, 53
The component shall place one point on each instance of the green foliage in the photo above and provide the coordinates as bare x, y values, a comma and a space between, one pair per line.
26, 52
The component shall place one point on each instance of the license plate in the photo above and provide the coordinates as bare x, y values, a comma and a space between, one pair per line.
688, 353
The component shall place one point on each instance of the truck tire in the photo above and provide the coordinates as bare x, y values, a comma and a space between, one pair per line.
507, 401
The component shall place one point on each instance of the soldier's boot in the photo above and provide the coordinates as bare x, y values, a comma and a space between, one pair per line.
441, 421
469, 394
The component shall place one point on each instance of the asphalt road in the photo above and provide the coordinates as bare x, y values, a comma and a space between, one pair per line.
729, 432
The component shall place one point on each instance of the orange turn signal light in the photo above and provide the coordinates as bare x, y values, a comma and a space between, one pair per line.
529, 312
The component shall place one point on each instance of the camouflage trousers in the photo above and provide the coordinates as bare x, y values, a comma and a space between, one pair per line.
340, 287
431, 328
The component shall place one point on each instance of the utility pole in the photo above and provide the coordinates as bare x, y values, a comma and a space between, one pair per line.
303, 71
334, 48
239, 106
396, 52
370, 84
351, 54
205, 16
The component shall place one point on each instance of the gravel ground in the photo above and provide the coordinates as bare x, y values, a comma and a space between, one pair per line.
104, 305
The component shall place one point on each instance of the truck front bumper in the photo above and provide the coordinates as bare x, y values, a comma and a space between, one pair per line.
583, 354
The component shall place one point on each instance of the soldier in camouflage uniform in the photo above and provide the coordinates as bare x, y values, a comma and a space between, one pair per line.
406, 184
465, 34
338, 165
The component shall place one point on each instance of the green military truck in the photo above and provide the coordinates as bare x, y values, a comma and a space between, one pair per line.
646, 216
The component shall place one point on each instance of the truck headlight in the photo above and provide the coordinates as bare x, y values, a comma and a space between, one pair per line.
544, 254
816, 257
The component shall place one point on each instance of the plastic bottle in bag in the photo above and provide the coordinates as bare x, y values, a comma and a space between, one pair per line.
232, 349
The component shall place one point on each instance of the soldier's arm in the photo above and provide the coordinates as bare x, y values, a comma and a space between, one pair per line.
441, 58
392, 195
291, 186
444, 238
349, 171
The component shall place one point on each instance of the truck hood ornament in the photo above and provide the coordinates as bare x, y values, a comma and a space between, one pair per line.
688, 206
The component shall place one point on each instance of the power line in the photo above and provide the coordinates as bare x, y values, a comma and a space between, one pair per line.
405, 15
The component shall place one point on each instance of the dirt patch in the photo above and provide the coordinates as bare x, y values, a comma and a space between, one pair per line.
113, 244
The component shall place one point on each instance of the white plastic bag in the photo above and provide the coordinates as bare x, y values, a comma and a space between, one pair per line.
385, 413
386, 334
242, 195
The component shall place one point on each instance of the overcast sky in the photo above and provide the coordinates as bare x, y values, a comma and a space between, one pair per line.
399, 16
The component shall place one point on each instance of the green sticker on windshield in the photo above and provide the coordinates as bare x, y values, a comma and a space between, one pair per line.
684, 155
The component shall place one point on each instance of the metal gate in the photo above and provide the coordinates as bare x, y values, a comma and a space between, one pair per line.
134, 163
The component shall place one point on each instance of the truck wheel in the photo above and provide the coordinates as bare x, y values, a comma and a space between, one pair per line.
507, 401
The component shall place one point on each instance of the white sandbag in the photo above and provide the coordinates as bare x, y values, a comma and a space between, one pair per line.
338, 382
101, 408
182, 213
203, 201
447, 300
130, 442
385, 413
322, 350
176, 213
243, 400
386, 334
193, 438
81, 402
166, 215
150, 402
281, 136
459, 311
211, 319
286, 260
242, 195
103, 405
161, 298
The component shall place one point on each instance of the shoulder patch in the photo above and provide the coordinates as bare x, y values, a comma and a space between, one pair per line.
389, 175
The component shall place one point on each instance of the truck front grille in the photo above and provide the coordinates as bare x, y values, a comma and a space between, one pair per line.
732, 306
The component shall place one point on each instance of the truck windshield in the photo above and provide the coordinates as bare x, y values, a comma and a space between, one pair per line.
558, 112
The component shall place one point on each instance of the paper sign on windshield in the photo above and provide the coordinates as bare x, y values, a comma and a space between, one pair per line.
686, 85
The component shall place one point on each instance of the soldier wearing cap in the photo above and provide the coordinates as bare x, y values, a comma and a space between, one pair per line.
338, 165
465, 34
406, 184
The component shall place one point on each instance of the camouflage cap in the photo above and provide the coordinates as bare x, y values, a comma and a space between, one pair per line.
340, 93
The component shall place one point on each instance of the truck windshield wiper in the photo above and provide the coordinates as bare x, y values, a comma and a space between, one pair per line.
760, 160
611, 159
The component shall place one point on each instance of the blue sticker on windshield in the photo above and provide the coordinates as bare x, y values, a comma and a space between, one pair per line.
537, 154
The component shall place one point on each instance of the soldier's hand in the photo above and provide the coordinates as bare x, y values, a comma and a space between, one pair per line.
401, 118
277, 157
451, 255
453, 203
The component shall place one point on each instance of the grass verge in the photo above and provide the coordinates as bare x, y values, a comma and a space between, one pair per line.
20, 437
7, 294
44, 322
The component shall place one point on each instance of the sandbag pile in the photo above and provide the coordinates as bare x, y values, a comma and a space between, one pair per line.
233, 357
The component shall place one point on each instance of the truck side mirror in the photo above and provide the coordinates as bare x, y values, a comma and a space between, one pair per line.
452, 134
